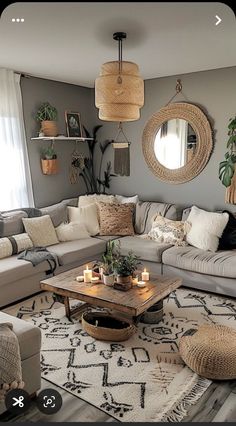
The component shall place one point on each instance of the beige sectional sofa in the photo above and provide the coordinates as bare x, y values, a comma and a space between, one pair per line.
214, 272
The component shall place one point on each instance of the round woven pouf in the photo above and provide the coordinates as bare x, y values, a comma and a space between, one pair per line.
210, 351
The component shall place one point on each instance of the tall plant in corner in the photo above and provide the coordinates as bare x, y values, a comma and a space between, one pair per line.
227, 166
95, 183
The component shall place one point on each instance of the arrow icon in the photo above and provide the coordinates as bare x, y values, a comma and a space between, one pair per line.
218, 20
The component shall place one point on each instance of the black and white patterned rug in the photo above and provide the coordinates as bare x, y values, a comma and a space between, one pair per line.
141, 379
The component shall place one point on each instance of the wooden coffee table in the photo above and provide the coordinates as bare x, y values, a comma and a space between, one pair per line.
132, 303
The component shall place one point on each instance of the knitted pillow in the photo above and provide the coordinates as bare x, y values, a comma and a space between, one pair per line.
116, 219
41, 231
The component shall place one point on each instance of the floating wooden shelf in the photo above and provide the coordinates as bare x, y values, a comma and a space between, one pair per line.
60, 138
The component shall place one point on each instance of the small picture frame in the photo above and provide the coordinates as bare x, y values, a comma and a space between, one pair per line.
73, 124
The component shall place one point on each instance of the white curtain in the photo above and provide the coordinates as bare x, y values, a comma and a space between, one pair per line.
15, 179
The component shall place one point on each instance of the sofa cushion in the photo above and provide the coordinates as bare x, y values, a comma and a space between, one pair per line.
146, 210
29, 336
116, 219
145, 249
41, 231
11, 223
221, 263
12, 269
57, 212
74, 251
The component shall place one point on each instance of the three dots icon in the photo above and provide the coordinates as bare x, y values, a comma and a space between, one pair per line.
17, 20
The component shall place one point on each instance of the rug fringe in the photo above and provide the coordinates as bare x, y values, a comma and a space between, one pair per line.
179, 410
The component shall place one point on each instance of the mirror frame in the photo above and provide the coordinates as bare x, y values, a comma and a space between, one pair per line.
201, 126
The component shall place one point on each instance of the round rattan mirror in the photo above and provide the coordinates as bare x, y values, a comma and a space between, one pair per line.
177, 142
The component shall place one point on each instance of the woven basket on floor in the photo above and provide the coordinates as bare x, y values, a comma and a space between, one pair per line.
105, 331
211, 352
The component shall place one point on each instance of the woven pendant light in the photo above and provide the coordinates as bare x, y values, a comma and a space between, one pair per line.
119, 91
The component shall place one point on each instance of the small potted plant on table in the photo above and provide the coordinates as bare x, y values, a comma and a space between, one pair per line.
124, 267
49, 161
107, 264
47, 115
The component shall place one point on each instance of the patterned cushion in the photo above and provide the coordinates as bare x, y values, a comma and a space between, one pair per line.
41, 231
168, 231
116, 219
14, 244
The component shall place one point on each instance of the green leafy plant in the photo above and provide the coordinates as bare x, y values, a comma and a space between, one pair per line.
46, 112
48, 153
95, 182
125, 265
227, 166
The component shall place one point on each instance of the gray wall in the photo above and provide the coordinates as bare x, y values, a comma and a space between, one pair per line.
51, 189
215, 92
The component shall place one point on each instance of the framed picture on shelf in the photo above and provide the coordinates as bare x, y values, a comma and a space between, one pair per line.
73, 124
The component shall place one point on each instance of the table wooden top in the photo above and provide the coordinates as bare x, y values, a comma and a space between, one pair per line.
134, 301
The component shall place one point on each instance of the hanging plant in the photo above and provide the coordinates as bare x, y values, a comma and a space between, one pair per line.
227, 166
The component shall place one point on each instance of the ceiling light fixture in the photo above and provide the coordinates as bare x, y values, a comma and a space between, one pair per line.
119, 90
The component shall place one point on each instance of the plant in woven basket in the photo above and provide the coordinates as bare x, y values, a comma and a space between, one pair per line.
227, 166
49, 162
47, 115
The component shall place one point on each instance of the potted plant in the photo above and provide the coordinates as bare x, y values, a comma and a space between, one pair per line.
47, 115
124, 267
49, 161
227, 167
107, 264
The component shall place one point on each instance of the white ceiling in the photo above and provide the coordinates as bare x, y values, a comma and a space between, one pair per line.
69, 41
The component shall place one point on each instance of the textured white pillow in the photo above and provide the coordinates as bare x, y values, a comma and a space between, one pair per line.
206, 228
5, 248
41, 230
71, 231
87, 215
87, 200
123, 200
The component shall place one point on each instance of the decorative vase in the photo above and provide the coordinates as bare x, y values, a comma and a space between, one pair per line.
49, 128
49, 167
108, 279
123, 282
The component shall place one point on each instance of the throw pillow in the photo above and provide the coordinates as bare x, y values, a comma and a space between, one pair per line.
116, 219
206, 228
168, 231
86, 200
71, 231
57, 212
11, 223
123, 200
14, 244
87, 215
228, 239
41, 231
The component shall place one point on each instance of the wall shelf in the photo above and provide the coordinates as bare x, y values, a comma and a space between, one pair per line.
60, 138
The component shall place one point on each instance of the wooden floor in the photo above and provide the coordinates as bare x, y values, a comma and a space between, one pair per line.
218, 404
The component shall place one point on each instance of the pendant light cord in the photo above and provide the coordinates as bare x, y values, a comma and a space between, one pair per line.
119, 79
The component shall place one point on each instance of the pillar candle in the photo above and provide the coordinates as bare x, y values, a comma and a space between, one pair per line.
87, 275
145, 275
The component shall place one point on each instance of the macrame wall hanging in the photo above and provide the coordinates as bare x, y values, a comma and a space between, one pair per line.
121, 153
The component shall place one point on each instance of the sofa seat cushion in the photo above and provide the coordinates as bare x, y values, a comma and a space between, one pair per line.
145, 249
221, 263
74, 251
12, 269
29, 336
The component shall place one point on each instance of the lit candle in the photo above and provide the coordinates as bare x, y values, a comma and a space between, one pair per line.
87, 275
141, 283
145, 275
135, 280
94, 279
